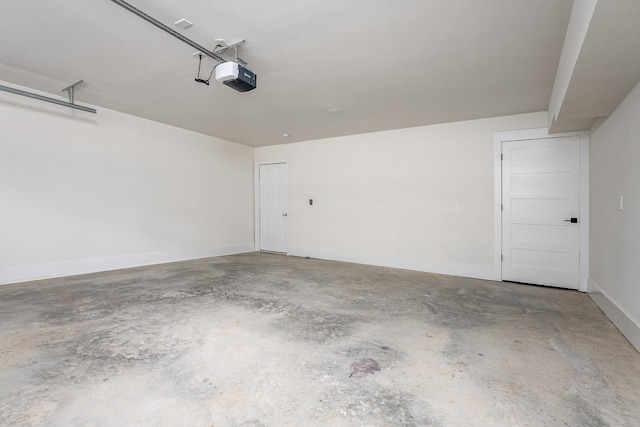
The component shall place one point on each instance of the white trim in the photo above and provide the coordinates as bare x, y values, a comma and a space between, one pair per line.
626, 325
497, 208
584, 211
71, 268
437, 267
256, 186
532, 134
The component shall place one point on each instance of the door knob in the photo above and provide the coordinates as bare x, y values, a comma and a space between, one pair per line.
284, 214
572, 220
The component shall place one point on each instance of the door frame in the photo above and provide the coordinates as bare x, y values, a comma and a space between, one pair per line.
256, 204
528, 135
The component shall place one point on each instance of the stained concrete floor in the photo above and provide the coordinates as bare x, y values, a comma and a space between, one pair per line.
268, 340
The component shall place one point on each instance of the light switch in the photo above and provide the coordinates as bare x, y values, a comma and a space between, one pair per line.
457, 205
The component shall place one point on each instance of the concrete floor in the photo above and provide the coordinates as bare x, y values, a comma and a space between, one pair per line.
268, 340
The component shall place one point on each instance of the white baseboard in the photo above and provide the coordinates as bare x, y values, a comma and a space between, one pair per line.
71, 268
629, 328
451, 269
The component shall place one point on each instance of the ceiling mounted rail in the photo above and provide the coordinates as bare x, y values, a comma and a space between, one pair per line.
168, 30
52, 100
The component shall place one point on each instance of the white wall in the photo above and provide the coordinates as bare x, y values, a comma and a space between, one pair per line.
388, 198
615, 234
82, 192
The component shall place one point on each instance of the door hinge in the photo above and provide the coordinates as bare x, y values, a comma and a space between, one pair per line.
501, 257
501, 156
501, 207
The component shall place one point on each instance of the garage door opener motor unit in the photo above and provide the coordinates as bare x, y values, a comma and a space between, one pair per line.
236, 76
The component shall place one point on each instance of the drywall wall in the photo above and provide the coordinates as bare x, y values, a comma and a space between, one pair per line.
83, 192
390, 198
615, 232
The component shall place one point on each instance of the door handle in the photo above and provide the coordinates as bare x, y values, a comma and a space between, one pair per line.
284, 214
572, 220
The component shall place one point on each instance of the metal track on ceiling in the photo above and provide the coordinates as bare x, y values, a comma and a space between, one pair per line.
168, 30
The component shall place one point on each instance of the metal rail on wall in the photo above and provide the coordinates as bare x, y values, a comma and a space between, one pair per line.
69, 89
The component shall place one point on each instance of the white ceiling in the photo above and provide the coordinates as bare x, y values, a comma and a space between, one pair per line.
600, 63
384, 64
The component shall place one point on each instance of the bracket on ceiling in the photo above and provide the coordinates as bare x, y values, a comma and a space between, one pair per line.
71, 91
70, 104
223, 46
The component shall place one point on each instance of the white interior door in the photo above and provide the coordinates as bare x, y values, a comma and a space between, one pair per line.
540, 196
274, 220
